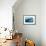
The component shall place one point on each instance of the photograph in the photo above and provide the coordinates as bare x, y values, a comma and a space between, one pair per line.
30, 19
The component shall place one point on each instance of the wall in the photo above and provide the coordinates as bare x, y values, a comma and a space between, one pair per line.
43, 22
6, 13
29, 7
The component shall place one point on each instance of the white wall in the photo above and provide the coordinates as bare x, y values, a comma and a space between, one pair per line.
36, 32
6, 13
43, 22
29, 7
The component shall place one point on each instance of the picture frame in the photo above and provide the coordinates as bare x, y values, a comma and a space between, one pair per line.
30, 19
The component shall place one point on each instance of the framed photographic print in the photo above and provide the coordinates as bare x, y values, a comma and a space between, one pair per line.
30, 19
